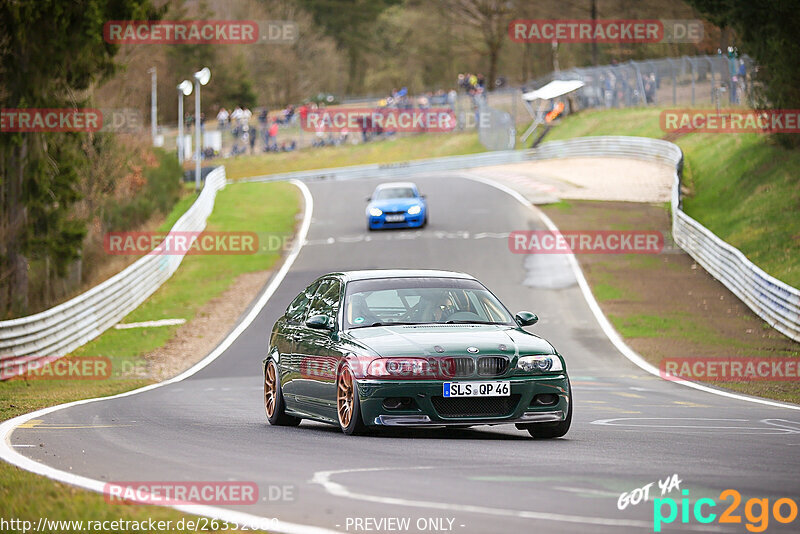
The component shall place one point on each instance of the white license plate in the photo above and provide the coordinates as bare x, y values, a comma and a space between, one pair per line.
395, 218
477, 389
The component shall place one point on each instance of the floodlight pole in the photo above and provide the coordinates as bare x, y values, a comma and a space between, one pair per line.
201, 77
180, 125
198, 134
153, 103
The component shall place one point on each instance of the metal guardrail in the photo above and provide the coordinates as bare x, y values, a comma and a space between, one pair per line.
772, 300
775, 302
401, 168
59, 330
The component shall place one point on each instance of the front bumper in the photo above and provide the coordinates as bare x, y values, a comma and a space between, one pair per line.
424, 420
423, 411
410, 221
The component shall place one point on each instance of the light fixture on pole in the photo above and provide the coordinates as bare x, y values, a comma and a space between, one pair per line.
184, 89
201, 77
153, 103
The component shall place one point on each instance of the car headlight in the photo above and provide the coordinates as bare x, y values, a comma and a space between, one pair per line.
375, 212
539, 364
413, 210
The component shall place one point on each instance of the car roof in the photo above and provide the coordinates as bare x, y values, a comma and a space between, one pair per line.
392, 185
372, 274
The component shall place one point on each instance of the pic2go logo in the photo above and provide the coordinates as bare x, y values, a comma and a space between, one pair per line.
757, 520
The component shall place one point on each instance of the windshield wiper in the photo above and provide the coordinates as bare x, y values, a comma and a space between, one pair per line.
388, 324
456, 321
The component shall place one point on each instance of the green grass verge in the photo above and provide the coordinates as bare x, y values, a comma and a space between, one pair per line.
677, 325
642, 122
268, 209
420, 146
743, 187
604, 292
28, 497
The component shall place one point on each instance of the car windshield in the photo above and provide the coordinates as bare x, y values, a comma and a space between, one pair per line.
394, 192
394, 301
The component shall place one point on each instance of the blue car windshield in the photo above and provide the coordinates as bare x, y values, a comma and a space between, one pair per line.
394, 192
394, 301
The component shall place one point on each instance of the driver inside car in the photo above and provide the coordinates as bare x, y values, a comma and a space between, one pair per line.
438, 307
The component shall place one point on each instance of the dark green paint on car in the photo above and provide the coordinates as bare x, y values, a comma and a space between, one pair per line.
363, 349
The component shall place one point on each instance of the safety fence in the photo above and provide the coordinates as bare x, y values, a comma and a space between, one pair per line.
772, 300
63, 328
688, 80
59, 330
400, 168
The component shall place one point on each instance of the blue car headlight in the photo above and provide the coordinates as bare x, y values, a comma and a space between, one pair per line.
539, 364
413, 210
375, 212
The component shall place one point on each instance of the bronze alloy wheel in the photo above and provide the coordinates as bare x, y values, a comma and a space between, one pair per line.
274, 404
270, 390
345, 397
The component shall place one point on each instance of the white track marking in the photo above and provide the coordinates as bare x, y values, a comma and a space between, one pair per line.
631, 422
606, 326
323, 478
11, 456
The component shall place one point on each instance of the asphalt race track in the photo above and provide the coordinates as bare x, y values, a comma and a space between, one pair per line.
629, 428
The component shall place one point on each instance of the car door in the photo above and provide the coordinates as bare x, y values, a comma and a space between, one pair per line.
289, 364
318, 352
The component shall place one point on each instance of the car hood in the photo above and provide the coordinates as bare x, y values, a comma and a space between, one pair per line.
420, 340
395, 204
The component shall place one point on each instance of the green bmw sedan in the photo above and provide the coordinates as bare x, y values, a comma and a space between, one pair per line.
416, 348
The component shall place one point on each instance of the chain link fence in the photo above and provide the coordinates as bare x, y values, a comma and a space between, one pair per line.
497, 116
689, 81
697, 80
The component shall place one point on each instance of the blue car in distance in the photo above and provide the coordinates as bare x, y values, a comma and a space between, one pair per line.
396, 205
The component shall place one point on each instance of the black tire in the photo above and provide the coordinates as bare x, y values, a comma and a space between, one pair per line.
277, 416
551, 430
352, 423
425, 221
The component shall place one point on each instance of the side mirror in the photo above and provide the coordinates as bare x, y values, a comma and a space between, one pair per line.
423, 196
525, 318
319, 322
369, 199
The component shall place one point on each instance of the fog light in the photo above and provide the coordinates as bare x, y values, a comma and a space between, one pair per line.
397, 403
546, 399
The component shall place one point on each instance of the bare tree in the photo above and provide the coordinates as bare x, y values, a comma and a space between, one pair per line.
490, 19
